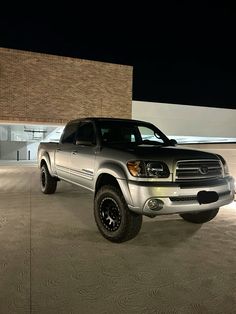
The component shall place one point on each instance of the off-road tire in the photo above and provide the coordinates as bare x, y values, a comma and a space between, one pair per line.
200, 217
113, 218
48, 183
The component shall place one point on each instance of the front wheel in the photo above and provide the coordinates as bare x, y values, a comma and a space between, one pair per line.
48, 183
113, 218
200, 217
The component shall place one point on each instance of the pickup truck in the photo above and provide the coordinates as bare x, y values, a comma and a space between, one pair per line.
133, 169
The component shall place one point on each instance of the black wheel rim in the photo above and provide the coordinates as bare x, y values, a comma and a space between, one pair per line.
110, 214
43, 179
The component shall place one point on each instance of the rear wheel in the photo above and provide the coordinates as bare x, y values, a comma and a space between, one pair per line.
48, 183
114, 219
200, 217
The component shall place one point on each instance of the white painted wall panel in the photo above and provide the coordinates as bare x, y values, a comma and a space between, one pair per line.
187, 120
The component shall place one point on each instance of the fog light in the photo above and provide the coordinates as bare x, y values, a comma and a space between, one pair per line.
155, 204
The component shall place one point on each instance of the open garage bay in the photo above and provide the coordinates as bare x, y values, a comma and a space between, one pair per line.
54, 260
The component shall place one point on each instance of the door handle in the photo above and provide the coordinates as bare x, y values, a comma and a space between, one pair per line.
74, 152
58, 149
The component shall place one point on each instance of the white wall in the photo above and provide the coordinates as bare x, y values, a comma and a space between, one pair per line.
13, 139
193, 121
3, 133
33, 148
187, 120
8, 150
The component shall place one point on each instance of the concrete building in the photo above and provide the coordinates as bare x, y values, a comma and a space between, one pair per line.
51, 89
40, 92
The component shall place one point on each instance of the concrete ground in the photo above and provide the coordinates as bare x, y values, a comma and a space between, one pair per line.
54, 260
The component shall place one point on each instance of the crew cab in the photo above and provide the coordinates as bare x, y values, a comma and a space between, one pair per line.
133, 169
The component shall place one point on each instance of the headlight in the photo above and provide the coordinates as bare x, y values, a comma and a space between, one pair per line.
148, 169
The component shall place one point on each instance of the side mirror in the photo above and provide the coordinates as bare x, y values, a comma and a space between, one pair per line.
173, 142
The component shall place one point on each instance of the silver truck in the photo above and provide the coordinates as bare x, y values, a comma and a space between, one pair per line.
133, 169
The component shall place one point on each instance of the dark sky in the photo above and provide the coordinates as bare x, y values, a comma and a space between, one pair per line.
181, 52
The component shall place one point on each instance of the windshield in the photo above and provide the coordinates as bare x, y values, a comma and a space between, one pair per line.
118, 132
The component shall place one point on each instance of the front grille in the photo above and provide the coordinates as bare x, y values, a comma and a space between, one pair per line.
197, 170
183, 198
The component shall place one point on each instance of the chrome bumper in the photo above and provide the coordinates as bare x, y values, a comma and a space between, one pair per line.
177, 198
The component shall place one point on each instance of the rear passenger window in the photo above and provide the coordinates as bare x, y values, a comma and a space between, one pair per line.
69, 133
85, 133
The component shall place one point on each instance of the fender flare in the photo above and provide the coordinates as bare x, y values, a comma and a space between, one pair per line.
118, 173
45, 157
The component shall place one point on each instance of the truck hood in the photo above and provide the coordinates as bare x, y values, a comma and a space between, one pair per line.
165, 152
168, 154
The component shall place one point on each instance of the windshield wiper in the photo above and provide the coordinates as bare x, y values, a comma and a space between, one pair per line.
150, 142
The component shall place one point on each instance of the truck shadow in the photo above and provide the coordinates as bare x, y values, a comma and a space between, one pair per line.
165, 233
159, 234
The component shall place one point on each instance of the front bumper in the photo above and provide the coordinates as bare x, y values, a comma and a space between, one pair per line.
177, 197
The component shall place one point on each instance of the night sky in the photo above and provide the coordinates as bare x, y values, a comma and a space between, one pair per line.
181, 53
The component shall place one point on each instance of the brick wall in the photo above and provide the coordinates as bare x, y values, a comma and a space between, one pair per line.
37, 87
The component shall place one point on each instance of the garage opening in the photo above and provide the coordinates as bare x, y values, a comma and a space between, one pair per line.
20, 141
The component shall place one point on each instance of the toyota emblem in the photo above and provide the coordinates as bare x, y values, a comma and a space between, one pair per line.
204, 170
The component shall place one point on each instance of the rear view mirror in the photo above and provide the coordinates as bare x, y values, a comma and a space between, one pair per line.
173, 142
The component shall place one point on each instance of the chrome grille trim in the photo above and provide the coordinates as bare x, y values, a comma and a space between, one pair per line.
187, 170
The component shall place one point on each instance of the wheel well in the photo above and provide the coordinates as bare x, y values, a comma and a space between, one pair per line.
106, 179
43, 162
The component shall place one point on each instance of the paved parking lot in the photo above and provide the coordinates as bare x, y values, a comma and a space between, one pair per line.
54, 260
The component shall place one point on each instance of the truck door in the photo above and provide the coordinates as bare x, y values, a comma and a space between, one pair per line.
64, 150
83, 155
